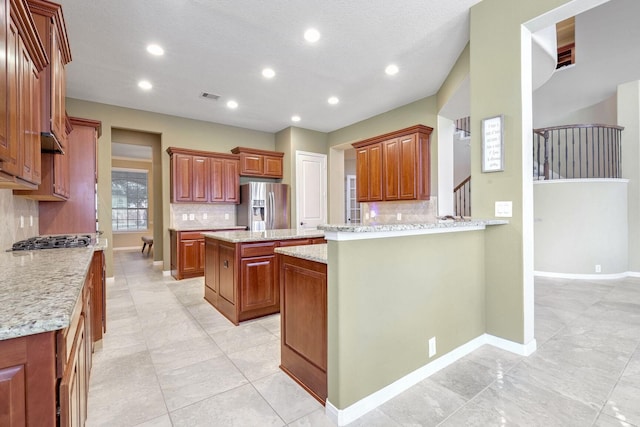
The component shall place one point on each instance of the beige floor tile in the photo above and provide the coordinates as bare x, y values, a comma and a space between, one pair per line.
284, 395
184, 353
259, 361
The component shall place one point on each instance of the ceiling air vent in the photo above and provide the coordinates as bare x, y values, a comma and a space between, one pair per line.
209, 95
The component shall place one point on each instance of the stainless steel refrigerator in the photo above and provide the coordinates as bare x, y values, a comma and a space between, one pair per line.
263, 206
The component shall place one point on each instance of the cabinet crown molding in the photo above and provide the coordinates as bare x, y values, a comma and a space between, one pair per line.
239, 150
178, 150
402, 132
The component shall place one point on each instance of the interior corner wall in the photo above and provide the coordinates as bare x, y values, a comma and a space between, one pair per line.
446, 128
501, 84
629, 117
175, 132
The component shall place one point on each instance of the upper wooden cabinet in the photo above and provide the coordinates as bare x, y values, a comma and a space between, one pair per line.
262, 163
203, 177
50, 24
21, 60
394, 166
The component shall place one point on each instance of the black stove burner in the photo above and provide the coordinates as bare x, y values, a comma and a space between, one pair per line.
52, 242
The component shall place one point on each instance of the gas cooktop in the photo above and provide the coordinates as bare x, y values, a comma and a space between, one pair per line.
52, 242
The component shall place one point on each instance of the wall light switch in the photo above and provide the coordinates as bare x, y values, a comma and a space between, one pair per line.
21, 221
204, 215
30, 220
399, 216
504, 209
192, 217
366, 215
185, 217
226, 216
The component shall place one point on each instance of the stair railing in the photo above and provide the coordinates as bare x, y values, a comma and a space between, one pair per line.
462, 198
577, 151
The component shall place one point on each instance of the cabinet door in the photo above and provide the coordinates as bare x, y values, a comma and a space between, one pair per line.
27, 159
201, 250
407, 167
273, 166
61, 173
73, 383
182, 170
375, 173
258, 283
216, 180
251, 164
362, 174
226, 269
232, 181
4, 135
57, 88
10, 150
34, 133
12, 388
199, 179
390, 169
211, 273
189, 257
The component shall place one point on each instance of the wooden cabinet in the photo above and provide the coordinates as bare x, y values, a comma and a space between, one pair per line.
50, 25
303, 320
261, 163
241, 278
394, 166
22, 58
203, 177
188, 252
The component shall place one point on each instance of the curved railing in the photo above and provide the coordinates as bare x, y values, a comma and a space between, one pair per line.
577, 151
462, 198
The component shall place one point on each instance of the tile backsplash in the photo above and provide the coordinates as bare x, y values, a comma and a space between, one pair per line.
11, 208
412, 211
216, 215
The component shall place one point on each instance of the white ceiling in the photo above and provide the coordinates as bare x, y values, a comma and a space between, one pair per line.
221, 47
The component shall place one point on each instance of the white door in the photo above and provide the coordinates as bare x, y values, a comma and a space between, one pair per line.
311, 189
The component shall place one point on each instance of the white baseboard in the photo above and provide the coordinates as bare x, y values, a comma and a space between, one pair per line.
345, 416
166, 272
127, 248
598, 276
158, 262
111, 279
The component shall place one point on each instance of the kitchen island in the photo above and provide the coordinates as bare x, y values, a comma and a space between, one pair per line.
403, 300
240, 270
51, 314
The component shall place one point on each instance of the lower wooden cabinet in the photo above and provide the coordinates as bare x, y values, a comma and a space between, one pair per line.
187, 253
241, 278
303, 320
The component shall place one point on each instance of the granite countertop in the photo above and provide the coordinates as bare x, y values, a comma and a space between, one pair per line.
435, 225
317, 253
39, 289
200, 227
258, 236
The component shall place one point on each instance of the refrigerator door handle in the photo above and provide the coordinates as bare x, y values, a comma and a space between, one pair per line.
272, 202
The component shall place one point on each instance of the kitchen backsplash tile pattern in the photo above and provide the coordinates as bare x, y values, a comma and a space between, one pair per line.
11, 208
404, 212
204, 215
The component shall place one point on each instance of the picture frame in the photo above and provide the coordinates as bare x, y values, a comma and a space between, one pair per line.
493, 144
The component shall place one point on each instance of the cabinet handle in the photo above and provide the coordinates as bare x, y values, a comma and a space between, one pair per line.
226, 263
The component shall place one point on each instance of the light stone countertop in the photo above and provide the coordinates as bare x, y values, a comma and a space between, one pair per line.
435, 225
259, 236
200, 227
39, 289
317, 253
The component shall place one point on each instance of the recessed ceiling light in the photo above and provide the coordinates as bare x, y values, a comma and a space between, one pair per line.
145, 84
155, 49
268, 73
392, 69
333, 100
295, 118
232, 104
312, 35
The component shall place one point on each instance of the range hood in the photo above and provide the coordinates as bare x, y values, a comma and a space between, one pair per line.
50, 144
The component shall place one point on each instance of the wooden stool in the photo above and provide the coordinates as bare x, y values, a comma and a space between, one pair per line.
146, 240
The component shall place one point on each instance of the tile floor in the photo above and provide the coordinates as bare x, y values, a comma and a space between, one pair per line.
169, 359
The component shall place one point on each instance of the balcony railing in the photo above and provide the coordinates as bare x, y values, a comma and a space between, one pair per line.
577, 151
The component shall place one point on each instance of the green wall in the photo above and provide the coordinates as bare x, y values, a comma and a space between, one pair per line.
174, 132
387, 297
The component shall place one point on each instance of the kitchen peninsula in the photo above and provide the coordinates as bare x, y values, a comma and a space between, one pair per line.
390, 289
240, 272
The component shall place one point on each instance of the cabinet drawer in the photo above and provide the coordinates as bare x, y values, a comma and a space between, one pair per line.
66, 336
257, 249
191, 235
294, 242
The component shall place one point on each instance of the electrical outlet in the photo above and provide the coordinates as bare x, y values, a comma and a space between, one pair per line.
373, 214
204, 215
226, 216
399, 216
432, 346
21, 221
192, 217
185, 217
598, 268
366, 215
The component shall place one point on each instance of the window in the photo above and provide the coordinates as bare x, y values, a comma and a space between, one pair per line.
129, 200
